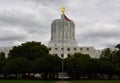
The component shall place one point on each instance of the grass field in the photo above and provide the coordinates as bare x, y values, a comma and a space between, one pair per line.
96, 81
41, 81
25, 81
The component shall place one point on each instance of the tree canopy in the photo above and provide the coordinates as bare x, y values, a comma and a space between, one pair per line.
29, 50
2, 56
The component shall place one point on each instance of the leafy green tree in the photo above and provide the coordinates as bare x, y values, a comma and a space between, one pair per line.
17, 66
106, 53
2, 56
106, 68
29, 50
91, 68
48, 66
117, 58
2, 64
117, 46
75, 65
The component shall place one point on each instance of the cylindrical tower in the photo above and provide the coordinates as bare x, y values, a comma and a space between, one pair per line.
57, 32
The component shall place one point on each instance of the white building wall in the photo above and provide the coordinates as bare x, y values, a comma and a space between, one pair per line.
84, 50
58, 50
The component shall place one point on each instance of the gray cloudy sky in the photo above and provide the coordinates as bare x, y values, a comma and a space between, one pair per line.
97, 21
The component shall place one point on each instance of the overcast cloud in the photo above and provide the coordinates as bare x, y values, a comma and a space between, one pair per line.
97, 21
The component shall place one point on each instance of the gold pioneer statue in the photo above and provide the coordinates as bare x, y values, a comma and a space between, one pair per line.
63, 9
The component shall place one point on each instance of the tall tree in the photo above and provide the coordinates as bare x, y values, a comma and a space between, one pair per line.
48, 66
29, 50
2, 56
75, 65
117, 46
106, 53
17, 66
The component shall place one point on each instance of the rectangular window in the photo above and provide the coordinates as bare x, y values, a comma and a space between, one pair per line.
68, 55
87, 49
56, 48
62, 48
49, 48
74, 49
68, 49
62, 55
81, 49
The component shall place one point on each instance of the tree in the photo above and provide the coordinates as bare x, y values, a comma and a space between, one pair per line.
48, 66
117, 58
75, 65
17, 66
2, 61
2, 56
2, 64
107, 53
29, 50
117, 46
106, 68
91, 68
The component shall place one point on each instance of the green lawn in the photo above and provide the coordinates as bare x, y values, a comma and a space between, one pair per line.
96, 81
25, 81
41, 81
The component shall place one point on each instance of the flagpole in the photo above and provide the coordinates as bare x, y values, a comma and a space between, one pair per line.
63, 9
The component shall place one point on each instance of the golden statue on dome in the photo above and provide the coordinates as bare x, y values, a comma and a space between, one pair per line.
63, 9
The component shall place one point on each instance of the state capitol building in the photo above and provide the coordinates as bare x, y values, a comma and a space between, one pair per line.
62, 42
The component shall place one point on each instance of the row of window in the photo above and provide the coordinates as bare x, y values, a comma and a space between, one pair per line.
68, 49
62, 55
68, 55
